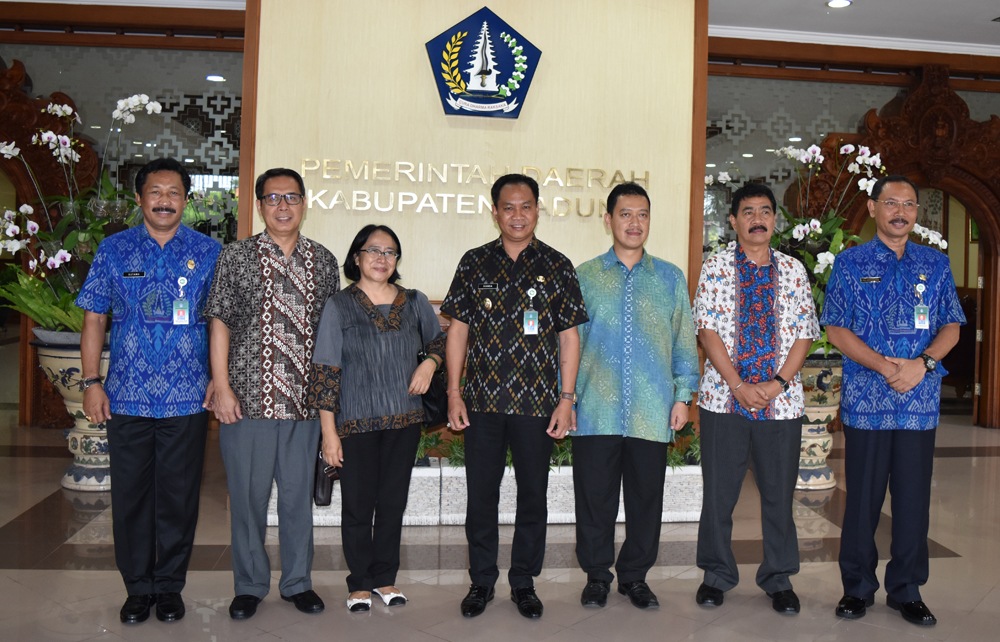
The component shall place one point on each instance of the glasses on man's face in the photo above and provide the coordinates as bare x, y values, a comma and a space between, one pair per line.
892, 205
274, 199
374, 252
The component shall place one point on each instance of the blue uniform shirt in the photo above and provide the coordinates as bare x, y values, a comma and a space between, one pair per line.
637, 352
873, 294
157, 369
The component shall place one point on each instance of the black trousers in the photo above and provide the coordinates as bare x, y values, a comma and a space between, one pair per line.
903, 460
728, 442
156, 467
374, 482
486, 441
602, 465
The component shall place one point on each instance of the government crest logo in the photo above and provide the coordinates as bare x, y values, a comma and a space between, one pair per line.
483, 67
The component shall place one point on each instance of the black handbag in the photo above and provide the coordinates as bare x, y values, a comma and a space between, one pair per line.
435, 400
325, 476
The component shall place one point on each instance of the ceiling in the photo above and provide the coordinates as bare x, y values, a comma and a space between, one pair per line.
956, 26
947, 26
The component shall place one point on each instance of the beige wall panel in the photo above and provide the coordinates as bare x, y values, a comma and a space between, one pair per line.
347, 80
957, 236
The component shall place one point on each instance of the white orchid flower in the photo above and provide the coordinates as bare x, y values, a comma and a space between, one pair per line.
709, 180
26, 209
52, 263
153, 108
12, 230
814, 225
866, 184
63, 256
32, 264
724, 177
847, 149
863, 152
143, 98
9, 215
799, 232
49, 137
943, 244
876, 160
32, 227
129, 118
9, 150
854, 168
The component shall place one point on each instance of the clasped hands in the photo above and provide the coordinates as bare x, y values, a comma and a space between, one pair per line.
903, 375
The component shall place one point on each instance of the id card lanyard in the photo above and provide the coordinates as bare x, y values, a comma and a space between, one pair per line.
921, 313
530, 314
182, 309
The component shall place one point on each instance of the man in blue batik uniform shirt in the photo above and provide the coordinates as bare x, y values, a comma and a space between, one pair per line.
892, 310
154, 279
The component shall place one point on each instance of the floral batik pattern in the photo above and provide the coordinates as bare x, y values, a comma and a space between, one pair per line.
756, 339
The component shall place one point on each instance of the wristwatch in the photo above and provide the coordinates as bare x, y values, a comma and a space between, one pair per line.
568, 396
782, 383
929, 362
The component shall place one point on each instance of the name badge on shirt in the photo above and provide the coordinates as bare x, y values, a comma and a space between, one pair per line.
531, 322
132, 275
489, 286
182, 312
921, 318
871, 279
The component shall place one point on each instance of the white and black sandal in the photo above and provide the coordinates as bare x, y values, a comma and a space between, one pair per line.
359, 605
391, 599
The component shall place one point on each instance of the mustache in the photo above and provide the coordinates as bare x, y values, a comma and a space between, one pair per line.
164, 210
758, 227
902, 221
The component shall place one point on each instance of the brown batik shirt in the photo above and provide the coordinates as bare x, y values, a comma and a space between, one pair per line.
272, 306
507, 370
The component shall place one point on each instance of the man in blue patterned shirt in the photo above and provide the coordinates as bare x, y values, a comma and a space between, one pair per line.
638, 370
892, 310
153, 279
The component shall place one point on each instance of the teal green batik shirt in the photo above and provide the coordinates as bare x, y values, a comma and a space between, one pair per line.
638, 353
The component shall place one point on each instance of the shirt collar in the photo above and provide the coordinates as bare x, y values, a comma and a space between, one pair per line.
300, 244
498, 249
882, 248
741, 257
611, 259
181, 235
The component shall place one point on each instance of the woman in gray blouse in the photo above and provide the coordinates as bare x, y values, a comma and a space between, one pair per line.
367, 384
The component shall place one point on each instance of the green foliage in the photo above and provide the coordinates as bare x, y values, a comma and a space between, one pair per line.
33, 298
562, 452
454, 450
685, 450
429, 441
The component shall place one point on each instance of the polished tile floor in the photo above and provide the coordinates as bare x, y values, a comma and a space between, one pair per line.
57, 577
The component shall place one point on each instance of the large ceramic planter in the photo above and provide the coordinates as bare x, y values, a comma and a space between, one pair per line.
87, 441
821, 379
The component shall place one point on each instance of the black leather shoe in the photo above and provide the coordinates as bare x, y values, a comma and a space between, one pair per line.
136, 608
475, 600
853, 608
595, 593
169, 607
709, 595
527, 602
243, 607
306, 601
639, 594
785, 602
915, 612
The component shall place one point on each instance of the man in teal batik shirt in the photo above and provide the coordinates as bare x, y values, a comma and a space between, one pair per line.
638, 370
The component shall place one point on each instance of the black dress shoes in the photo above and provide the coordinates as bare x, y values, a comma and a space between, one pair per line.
709, 595
853, 608
639, 594
475, 600
527, 602
169, 607
136, 608
243, 607
306, 601
595, 593
915, 612
785, 602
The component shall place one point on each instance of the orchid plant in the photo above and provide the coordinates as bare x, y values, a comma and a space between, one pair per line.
58, 254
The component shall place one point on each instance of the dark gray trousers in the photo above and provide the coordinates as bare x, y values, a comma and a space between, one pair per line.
728, 442
256, 451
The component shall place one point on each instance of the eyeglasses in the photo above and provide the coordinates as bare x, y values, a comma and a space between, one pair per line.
274, 199
374, 252
909, 206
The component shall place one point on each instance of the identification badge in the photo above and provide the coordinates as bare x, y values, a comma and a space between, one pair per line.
871, 279
489, 286
182, 311
133, 275
921, 318
530, 322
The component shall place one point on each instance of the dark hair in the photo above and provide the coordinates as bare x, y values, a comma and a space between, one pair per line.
351, 269
162, 165
275, 173
625, 189
750, 190
513, 179
892, 178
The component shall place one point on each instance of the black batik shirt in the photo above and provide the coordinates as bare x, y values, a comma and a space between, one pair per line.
508, 371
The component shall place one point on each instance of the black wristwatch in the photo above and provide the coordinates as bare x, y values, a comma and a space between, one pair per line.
782, 383
929, 362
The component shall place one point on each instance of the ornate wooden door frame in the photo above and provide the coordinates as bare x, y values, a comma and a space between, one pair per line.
930, 138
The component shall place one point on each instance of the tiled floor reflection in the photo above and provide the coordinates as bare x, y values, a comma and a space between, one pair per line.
57, 577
